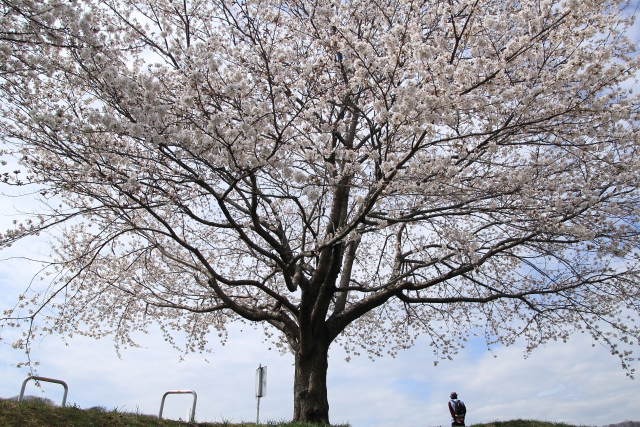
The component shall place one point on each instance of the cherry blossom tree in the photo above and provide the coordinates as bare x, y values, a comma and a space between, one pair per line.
360, 172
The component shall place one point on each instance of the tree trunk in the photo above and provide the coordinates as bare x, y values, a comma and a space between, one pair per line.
310, 385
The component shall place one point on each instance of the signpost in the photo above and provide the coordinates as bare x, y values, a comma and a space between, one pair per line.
261, 387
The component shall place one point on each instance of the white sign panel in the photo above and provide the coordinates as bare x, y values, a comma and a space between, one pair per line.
261, 381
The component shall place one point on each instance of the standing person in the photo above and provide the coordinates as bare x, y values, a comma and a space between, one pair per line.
457, 410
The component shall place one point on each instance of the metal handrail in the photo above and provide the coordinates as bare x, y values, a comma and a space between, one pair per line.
193, 409
49, 380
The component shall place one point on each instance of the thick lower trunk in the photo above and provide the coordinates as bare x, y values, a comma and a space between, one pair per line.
310, 386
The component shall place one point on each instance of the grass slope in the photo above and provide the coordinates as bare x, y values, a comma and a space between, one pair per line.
37, 414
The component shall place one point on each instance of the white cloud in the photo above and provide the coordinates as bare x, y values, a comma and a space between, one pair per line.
570, 382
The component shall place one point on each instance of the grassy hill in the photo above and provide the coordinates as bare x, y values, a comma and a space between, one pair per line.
38, 414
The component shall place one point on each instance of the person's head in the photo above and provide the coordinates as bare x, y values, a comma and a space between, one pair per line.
454, 395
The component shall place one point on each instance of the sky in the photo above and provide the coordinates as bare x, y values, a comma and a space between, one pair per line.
573, 382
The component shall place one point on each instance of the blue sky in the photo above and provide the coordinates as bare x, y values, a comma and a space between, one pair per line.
572, 382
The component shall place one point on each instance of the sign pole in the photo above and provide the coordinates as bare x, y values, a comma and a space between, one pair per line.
258, 411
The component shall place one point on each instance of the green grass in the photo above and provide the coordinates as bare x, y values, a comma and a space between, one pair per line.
37, 414
523, 423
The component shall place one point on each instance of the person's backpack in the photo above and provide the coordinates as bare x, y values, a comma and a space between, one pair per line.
458, 408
